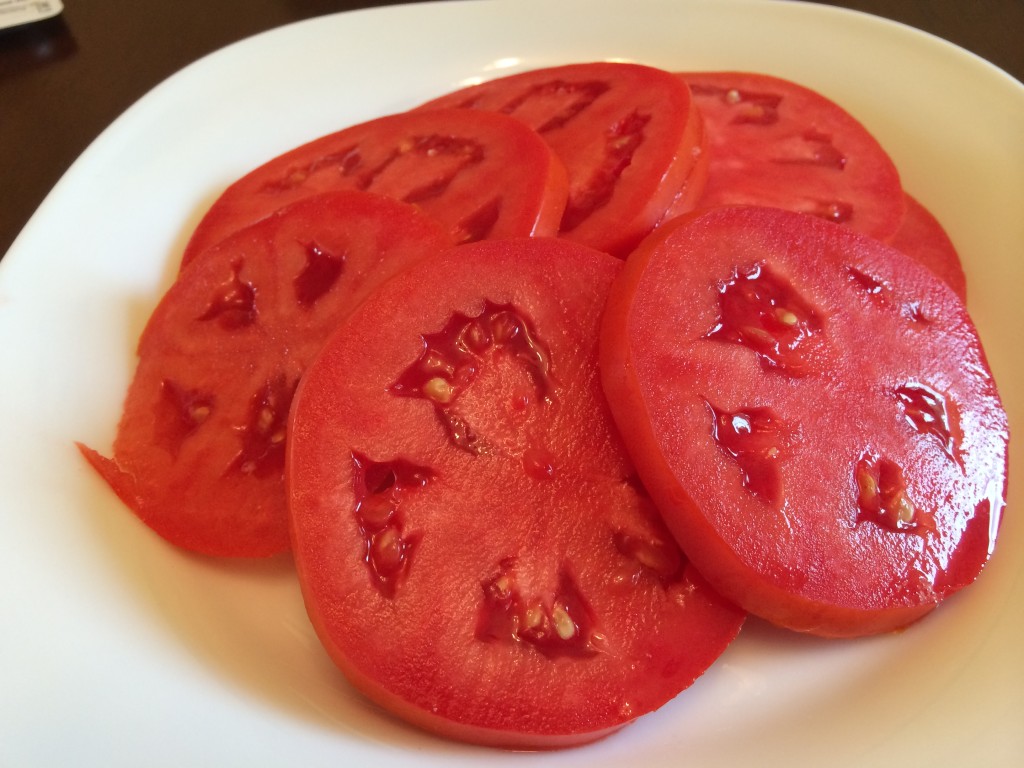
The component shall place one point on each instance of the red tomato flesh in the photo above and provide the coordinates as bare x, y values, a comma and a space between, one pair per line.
627, 134
473, 548
923, 238
199, 452
813, 414
480, 175
773, 142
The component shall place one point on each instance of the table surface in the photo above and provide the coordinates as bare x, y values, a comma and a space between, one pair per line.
63, 81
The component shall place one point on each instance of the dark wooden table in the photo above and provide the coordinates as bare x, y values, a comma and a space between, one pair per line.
64, 80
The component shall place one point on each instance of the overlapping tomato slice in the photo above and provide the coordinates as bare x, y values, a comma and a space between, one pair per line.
922, 237
199, 452
629, 137
480, 175
473, 547
813, 414
774, 142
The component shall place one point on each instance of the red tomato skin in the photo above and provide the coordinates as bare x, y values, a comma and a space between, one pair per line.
417, 651
667, 130
804, 567
778, 143
479, 175
215, 485
922, 237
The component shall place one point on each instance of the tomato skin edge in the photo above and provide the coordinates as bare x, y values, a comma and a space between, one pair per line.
398, 709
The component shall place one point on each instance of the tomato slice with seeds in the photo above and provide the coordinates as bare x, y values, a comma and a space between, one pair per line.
813, 414
473, 547
199, 452
628, 135
480, 175
774, 142
923, 237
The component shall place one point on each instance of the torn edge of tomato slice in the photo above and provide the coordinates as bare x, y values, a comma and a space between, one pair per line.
199, 450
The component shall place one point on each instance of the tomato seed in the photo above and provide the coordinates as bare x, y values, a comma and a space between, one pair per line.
438, 390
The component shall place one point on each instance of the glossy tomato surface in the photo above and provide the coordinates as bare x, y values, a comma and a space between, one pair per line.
629, 136
199, 452
813, 414
480, 175
774, 142
473, 547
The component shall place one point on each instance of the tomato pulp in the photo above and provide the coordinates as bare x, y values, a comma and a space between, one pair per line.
480, 175
199, 452
628, 135
473, 547
813, 414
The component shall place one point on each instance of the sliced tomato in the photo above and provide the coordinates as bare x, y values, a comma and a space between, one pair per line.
627, 134
773, 142
480, 175
473, 547
922, 237
199, 452
813, 414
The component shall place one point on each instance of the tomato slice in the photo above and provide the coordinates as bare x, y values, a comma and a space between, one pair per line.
813, 414
473, 548
773, 142
627, 134
199, 452
481, 175
922, 237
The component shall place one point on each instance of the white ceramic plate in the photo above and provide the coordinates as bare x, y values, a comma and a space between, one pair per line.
118, 650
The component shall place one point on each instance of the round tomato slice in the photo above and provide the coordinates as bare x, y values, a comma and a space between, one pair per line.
473, 548
813, 414
199, 452
480, 175
773, 142
922, 237
627, 134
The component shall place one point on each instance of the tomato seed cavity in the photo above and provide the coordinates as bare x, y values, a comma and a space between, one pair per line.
263, 436
926, 411
621, 142
478, 224
749, 108
319, 275
378, 489
765, 313
179, 413
561, 624
451, 358
550, 105
233, 304
753, 437
883, 499
883, 294
343, 162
